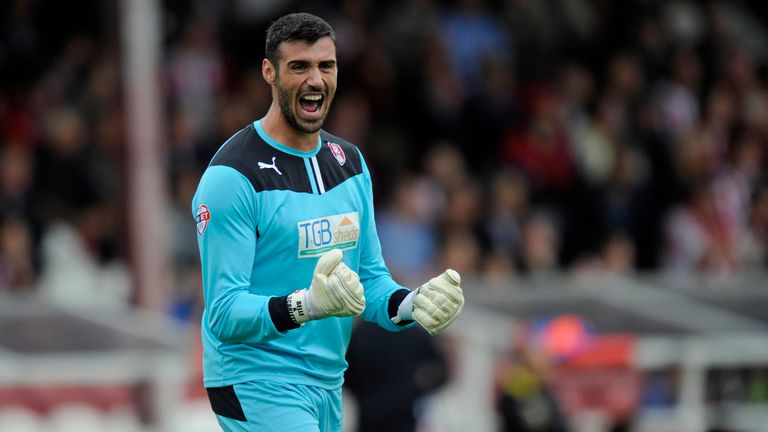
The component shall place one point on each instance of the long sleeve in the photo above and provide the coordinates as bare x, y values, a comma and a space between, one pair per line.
225, 210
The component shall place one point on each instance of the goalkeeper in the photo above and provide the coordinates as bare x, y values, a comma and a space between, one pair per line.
290, 254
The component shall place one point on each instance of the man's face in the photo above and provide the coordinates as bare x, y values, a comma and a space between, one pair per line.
306, 82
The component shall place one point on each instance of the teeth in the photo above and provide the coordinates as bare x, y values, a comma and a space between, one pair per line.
312, 97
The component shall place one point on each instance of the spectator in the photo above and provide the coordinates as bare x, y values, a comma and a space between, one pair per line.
527, 401
475, 36
757, 225
699, 238
390, 388
618, 254
17, 270
596, 148
196, 76
543, 150
675, 98
508, 207
461, 251
409, 219
540, 246
16, 194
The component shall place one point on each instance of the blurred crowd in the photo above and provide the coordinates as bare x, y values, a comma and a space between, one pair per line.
505, 137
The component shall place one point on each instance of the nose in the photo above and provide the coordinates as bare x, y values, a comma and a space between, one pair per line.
315, 79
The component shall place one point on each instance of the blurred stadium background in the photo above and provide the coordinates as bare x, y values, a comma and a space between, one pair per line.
595, 169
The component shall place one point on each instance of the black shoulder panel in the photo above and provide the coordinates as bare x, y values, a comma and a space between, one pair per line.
264, 166
338, 160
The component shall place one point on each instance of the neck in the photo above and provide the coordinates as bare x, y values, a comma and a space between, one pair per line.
277, 128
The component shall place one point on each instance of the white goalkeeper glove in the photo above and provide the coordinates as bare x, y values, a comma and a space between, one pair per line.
335, 291
434, 305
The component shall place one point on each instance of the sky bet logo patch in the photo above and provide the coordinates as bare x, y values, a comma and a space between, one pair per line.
318, 236
202, 218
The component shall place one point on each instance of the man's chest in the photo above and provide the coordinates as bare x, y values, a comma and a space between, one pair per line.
305, 225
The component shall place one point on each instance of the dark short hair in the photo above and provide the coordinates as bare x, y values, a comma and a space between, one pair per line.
295, 27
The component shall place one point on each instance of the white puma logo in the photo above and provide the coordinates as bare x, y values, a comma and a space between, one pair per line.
263, 165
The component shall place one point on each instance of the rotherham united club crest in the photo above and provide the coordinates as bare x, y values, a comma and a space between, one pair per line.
203, 216
338, 153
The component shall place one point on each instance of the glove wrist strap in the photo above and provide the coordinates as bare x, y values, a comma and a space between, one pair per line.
405, 310
298, 306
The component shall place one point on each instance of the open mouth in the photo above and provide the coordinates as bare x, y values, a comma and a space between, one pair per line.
311, 104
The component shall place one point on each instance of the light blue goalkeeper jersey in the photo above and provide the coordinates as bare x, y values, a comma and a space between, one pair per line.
264, 214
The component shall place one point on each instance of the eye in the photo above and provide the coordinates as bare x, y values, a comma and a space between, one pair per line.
297, 66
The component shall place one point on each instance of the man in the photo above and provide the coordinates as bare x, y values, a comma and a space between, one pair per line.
290, 253
390, 390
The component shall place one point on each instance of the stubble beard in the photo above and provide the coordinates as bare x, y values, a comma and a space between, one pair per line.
285, 100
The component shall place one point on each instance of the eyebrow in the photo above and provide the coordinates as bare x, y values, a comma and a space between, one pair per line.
306, 62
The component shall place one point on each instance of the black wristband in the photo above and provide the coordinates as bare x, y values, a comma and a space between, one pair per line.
278, 311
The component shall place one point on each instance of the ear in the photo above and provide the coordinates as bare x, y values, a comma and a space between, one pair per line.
268, 71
